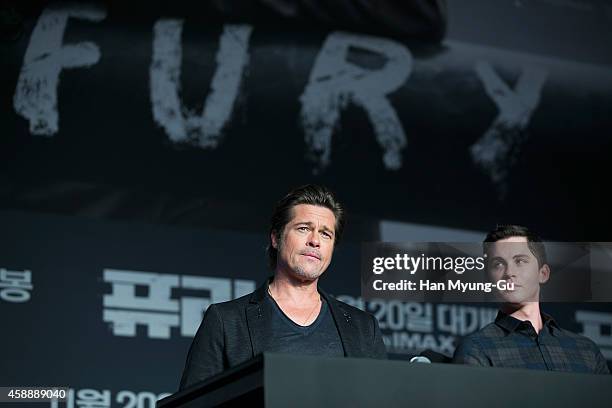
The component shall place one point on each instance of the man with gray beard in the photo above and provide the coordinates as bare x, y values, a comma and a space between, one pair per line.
289, 313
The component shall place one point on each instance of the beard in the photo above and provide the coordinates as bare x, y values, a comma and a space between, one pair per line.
305, 273
300, 269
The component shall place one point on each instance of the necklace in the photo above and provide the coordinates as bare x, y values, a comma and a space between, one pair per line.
309, 314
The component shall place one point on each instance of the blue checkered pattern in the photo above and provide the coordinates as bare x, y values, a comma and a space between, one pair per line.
509, 342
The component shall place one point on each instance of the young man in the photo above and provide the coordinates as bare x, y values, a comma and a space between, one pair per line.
289, 313
522, 336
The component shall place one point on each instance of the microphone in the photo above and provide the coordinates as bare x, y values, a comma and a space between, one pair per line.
420, 359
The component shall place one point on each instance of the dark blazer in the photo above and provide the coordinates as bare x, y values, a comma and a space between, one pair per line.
232, 333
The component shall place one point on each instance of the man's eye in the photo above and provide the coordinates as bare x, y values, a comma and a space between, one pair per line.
326, 235
302, 228
521, 261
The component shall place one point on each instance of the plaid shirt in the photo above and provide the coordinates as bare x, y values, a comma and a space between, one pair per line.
509, 342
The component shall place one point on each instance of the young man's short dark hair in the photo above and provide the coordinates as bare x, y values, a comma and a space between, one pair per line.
504, 231
311, 194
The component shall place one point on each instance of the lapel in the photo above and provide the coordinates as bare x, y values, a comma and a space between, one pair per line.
346, 328
257, 314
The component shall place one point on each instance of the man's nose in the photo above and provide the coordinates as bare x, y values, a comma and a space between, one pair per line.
313, 239
509, 271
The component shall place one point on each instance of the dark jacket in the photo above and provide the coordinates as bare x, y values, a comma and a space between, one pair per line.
232, 333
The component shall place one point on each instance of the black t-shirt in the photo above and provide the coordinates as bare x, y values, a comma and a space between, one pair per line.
321, 338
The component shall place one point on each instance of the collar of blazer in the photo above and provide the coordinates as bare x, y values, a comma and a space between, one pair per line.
258, 312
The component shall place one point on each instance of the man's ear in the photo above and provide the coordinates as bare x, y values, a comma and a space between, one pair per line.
274, 240
544, 273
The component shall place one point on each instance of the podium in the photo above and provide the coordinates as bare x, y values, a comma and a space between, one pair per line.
277, 380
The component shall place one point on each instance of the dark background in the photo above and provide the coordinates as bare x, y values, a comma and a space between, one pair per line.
109, 189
